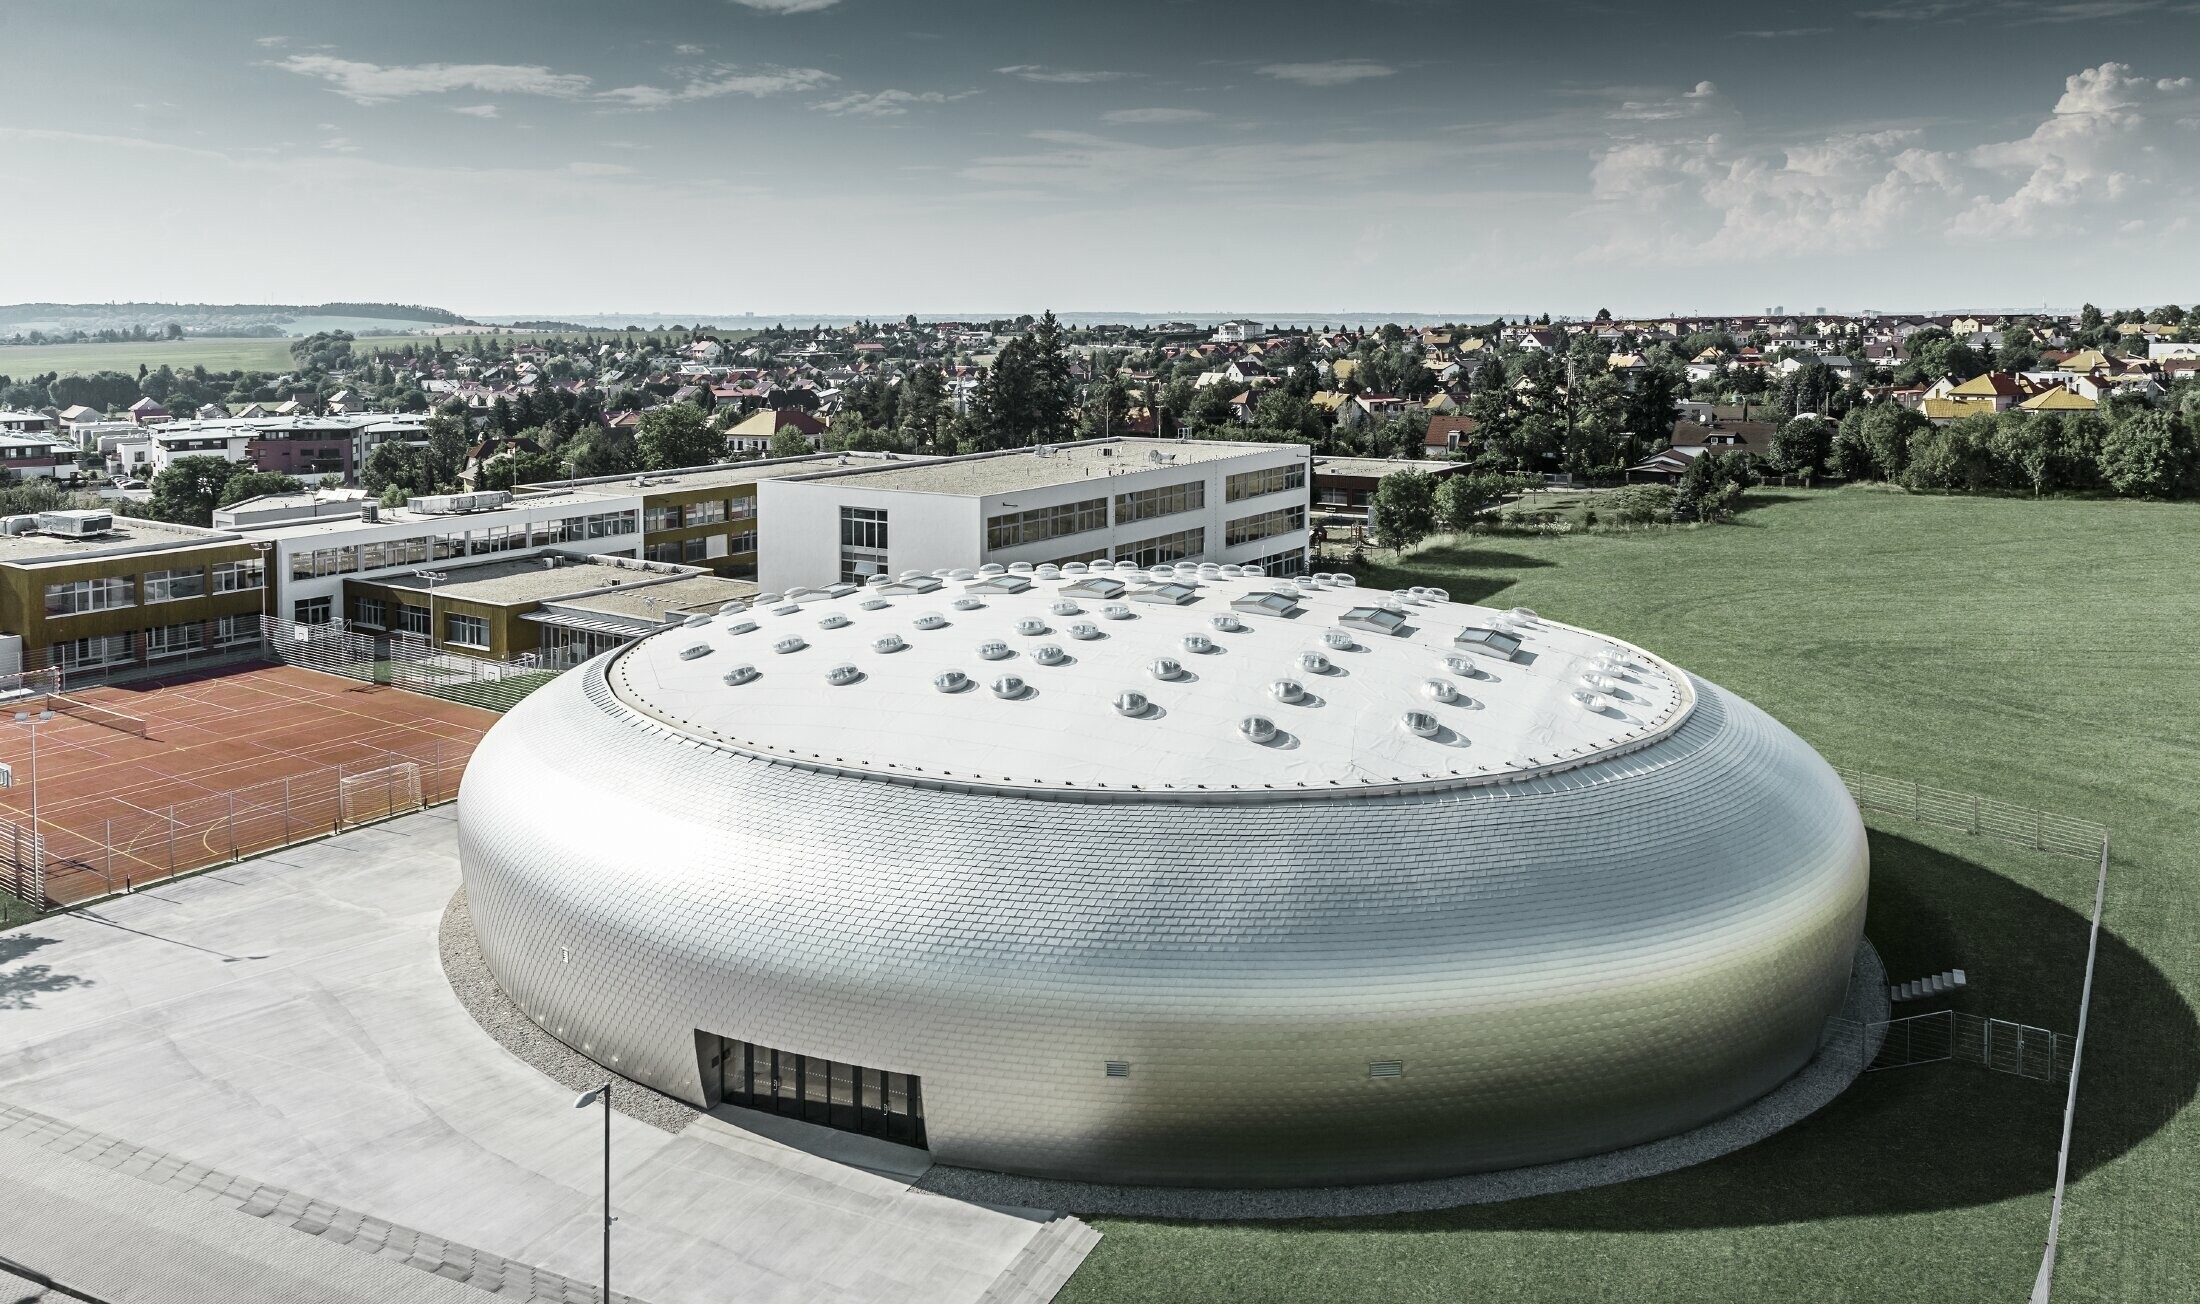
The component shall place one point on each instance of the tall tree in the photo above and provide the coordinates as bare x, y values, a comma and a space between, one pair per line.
678, 435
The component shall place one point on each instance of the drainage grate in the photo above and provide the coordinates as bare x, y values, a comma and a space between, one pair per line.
1386, 1068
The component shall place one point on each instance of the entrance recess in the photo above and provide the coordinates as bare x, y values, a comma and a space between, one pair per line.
826, 1092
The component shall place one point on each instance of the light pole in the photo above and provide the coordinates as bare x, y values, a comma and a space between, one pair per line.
588, 1098
33, 719
433, 578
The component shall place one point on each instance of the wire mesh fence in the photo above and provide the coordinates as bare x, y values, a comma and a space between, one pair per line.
1972, 813
113, 846
416, 666
1998, 1044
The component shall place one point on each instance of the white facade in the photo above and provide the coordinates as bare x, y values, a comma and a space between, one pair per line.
962, 512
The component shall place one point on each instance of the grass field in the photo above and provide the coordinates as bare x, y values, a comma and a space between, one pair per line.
23, 361
2038, 652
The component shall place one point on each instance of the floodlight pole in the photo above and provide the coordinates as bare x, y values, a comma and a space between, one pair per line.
588, 1098
32, 721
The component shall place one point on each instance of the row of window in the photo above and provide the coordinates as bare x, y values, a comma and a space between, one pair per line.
685, 552
862, 543
669, 516
160, 642
1268, 480
1040, 524
1290, 562
374, 613
1163, 549
1264, 525
420, 549
1168, 500
115, 591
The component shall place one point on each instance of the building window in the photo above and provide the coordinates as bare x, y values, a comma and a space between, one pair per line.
312, 611
1167, 500
660, 518
669, 552
704, 513
1290, 562
739, 507
467, 631
693, 550
174, 640
174, 585
94, 653
1264, 525
237, 576
1165, 548
372, 612
323, 562
229, 631
862, 543
851, 1097
412, 619
1268, 480
739, 543
394, 552
1043, 523
90, 595
1091, 555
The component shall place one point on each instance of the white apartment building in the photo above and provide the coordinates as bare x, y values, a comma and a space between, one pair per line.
1150, 501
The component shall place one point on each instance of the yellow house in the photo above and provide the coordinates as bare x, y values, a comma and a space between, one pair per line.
2057, 399
2085, 360
1343, 368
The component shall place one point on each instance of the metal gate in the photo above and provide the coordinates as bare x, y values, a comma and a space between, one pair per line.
2002, 1045
329, 647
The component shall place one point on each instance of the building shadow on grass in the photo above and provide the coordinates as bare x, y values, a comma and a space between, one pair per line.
1468, 572
21, 984
1932, 1136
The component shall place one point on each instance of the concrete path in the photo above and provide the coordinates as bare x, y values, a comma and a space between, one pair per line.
287, 1019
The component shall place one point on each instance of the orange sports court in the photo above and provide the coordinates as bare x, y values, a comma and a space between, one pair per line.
143, 780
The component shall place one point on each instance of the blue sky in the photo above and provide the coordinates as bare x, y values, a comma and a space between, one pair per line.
789, 156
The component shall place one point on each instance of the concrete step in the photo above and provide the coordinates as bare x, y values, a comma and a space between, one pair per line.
1939, 984
1044, 1265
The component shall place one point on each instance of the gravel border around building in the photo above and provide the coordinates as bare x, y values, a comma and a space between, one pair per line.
1842, 1054
468, 973
1841, 1057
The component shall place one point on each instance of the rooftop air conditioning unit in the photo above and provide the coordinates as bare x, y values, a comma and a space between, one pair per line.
18, 525
76, 524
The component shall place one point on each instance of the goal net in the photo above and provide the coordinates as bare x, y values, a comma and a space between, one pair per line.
379, 793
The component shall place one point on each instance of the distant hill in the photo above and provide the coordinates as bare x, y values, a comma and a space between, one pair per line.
66, 319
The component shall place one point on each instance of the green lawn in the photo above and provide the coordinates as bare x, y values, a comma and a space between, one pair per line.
22, 361
2038, 652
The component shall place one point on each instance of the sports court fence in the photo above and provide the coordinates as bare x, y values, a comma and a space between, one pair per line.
329, 647
416, 666
121, 847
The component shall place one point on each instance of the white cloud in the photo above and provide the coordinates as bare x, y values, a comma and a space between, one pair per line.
720, 80
1717, 196
787, 6
1333, 72
476, 110
1154, 117
687, 49
885, 104
1039, 72
372, 83
270, 42
1698, 99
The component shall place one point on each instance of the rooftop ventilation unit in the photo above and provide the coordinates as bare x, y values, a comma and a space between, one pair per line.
1287, 691
692, 621
1497, 643
990, 569
1464, 666
1440, 690
1031, 625
1375, 620
742, 627
1095, 586
768, 599
1258, 728
1266, 604
968, 604
1174, 593
1132, 703
834, 621
875, 604
916, 583
876, 580
694, 650
1046, 654
888, 643
930, 620
1116, 611
1588, 701
1065, 608
19, 524
1166, 668
994, 650
951, 681
1434, 594
1047, 571
1523, 614
787, 645
842, 674
1019, 568
78, 524
787, 609
1010, 687
960, 573
1001, 584
1314, 663
1227, 623
732, 608
1084, 630
1599, 684
739, 675
1252, 570
1421, 724
1198, 643
1072, 569
1338, 640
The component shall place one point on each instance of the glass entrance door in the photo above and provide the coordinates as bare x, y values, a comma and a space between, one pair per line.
830, 1093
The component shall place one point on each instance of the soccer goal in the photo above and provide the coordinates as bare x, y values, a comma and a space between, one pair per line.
379, 793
